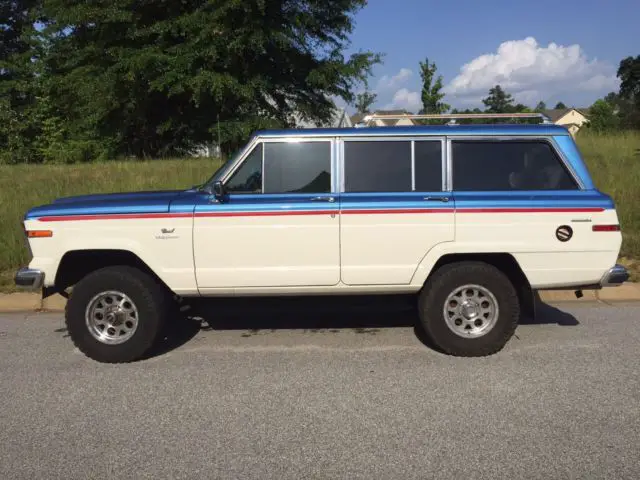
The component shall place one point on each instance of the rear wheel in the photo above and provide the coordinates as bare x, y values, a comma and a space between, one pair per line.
116, 314
469, 309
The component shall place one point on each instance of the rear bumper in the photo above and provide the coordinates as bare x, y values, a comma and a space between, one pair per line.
615, 276
29, 278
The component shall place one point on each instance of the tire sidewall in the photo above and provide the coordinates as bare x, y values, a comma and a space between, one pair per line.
140, 293
439, 290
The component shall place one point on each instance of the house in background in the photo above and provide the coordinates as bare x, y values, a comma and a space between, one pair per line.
359, 119
571, 118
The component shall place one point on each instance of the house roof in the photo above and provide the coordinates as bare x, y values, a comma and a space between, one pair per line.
358, 117
558, 113
391, 112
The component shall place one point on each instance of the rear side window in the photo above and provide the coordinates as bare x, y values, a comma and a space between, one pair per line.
508, 165
428, 165
393, 166
297, 167
383, 166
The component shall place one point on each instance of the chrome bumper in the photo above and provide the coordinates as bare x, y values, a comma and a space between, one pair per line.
29, 278
615, 276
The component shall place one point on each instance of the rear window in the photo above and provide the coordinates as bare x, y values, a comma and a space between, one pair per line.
508, 165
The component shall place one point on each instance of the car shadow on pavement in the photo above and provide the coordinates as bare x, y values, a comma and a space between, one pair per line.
366, 315
548, 314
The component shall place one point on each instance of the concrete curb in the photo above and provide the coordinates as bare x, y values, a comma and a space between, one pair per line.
627, 292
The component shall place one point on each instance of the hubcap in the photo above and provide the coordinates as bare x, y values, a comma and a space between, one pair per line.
471, 311
111, 317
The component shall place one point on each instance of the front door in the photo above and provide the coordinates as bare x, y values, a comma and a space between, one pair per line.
278, 225
394, 208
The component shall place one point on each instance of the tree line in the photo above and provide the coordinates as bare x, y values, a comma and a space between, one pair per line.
616, 110
83, 81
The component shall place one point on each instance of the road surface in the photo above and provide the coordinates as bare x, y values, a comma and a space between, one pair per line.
283, 393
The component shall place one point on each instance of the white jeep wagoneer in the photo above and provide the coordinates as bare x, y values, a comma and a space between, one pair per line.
472, 219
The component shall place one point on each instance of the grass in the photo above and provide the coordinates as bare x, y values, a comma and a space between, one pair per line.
614, 163
25, 186
613, 160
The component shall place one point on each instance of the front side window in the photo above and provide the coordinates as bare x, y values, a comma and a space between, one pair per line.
248, 178
297, 167
284, 167
508, 165
382, 166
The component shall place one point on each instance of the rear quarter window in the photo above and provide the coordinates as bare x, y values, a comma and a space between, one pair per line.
508, 165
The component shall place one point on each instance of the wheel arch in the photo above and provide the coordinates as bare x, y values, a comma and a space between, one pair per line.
77, 264
504, 262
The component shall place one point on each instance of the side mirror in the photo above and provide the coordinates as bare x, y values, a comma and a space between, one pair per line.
218, 190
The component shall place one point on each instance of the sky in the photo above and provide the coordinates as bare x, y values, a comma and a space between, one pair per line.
561, 50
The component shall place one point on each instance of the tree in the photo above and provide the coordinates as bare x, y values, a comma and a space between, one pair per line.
560, 106
612, 98
629, 96
364, 101
498, 101
153, 78
541, 107
17, 82
602, 116
431, 89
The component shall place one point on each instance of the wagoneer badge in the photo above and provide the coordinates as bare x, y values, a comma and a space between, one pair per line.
564, 233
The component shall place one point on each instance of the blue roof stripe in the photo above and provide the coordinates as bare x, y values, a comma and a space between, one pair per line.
435, 130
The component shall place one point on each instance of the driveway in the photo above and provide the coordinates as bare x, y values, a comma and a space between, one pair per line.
326, 391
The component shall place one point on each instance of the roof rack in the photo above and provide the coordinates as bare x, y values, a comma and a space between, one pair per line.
452, 117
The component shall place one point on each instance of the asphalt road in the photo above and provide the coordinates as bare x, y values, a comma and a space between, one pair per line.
349, 395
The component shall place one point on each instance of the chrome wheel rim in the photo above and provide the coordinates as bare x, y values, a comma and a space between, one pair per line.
471, 311
111, 317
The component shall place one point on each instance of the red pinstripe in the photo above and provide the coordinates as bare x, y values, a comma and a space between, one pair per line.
278, 213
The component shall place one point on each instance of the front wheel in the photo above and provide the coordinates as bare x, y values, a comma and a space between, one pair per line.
116, 314
469, 309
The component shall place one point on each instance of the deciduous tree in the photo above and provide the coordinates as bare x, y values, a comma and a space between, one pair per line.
152, 78
431, 89
498, 101
364, 101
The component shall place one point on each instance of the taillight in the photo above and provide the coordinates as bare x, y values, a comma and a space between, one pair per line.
606, 228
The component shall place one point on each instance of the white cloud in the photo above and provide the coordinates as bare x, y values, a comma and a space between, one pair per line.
600, 83
405, 99
390, 83
532, 72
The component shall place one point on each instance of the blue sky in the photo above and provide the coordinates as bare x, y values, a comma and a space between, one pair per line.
536, 49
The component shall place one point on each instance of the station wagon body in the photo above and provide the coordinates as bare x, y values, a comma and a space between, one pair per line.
351, 211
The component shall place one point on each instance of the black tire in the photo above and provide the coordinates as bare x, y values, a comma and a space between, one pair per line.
148, 296
453, 276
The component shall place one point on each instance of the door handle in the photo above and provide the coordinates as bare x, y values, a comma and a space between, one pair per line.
323, 199
434, 199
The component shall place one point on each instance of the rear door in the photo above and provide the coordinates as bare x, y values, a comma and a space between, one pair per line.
393, 207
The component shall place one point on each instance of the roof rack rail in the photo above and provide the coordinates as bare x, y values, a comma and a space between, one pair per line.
452, 117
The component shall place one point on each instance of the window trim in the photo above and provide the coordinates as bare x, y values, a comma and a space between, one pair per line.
286, 139
412, 139
506, 138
